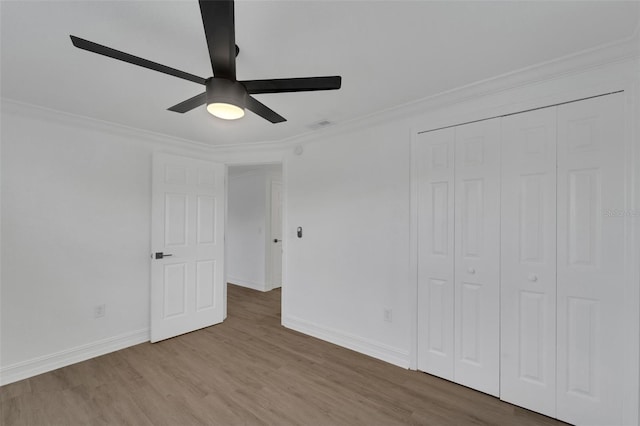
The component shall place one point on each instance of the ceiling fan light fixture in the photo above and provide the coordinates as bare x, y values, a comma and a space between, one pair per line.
226, 99
225, 111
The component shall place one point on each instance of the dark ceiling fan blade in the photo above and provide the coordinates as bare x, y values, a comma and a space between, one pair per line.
304, 84
190, 104
219, 29
116, 54
263, 111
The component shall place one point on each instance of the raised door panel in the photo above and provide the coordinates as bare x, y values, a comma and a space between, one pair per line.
176, 220
591, 261
435, 163
205, 285
175, 290
476, 258
206, 219
528, 259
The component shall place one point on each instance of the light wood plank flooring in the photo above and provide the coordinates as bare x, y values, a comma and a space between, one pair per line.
250, 371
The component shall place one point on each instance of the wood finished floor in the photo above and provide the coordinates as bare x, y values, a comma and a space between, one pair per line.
248, 371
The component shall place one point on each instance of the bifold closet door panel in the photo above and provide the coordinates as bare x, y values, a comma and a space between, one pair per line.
591, 261
435, 164
528, 261
477, 251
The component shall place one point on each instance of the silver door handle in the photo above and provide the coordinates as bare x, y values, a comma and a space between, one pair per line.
533, 278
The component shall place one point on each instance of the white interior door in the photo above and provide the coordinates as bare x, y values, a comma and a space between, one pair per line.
187, 281
276, 234
477, 256
435, 164
528, 261
591, 261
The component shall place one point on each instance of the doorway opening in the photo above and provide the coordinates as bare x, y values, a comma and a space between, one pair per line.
254, 226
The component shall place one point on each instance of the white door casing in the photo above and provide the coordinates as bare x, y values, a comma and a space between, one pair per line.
477, 256
591, 260
435, 165
275, 242
528, 261
188, 208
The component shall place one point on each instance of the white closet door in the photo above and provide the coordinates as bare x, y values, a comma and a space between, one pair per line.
435, 164
590, 261
528, 261
477, 251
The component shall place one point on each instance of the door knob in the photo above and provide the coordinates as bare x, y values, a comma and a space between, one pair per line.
471, 270
160, 255
533, 278
275, 240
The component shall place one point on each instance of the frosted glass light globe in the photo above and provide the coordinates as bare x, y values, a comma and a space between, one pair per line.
225, 111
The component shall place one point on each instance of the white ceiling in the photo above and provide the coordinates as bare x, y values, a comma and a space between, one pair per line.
388, 53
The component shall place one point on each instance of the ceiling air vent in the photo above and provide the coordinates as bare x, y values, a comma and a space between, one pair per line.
320, 124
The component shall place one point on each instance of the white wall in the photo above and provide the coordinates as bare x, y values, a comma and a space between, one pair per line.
246, 231
350, 191
350, 194
75, 234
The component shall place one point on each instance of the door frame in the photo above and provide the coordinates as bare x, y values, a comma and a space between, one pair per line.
270, 247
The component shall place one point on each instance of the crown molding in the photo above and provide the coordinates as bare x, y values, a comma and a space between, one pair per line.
11, 106
266, 146
159, 140
601, 56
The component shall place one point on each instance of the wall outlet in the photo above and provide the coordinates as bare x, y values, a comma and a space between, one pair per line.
388, 315
100, 311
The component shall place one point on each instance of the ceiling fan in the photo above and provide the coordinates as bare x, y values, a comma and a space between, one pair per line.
225, 96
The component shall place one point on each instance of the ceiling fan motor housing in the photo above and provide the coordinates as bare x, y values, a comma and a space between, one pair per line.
221, 90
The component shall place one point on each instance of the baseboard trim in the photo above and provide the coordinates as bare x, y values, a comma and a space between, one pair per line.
33, 367
368, 347
249, 284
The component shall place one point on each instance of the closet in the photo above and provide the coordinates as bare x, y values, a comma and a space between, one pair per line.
520, 267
